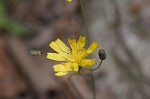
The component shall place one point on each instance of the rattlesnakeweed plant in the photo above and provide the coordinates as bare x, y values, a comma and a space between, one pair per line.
74, 58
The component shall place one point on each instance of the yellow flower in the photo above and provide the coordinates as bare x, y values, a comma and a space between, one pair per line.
72, 58
69, 0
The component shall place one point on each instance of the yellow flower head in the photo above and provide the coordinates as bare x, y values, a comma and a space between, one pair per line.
69, 0
72, 58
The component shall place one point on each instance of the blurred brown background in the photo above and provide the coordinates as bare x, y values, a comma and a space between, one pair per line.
120, 26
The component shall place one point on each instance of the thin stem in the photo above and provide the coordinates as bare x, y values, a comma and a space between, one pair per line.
96, 67
93, 86
87, 33
84, 19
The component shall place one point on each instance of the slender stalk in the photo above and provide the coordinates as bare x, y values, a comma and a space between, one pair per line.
93, 86
87, 33
96, 67
92, 81
85, 20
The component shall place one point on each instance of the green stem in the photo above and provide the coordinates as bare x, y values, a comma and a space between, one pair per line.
93, 86
96, 67
87, 33
92, 81
84, 19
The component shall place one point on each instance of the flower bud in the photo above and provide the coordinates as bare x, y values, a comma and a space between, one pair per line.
102, 54
35, 52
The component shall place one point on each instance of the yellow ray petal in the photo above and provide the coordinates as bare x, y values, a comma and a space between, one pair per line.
55, 56
69, 0
67, 57
73, 45
81, 42
58, 67
73, 66
91, 49
55, 47
61, 73
64, 55
64, 67
81, 53
62, 46
87, 62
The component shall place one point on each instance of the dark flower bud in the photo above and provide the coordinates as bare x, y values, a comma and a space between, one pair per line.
102, 54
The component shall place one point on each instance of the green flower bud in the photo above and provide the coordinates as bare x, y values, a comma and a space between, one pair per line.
102, 54
35, 52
